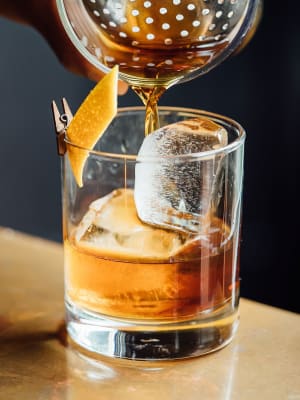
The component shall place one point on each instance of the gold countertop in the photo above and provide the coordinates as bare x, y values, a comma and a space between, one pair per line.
262, 362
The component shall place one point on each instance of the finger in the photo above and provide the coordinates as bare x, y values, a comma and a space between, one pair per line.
68, 55
122, 88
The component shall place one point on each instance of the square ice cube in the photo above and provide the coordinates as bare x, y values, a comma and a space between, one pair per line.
111, 227
176, 192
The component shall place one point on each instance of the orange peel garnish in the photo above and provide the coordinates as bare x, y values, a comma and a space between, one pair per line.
91, 120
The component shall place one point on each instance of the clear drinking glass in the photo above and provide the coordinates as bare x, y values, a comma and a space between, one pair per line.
162, 290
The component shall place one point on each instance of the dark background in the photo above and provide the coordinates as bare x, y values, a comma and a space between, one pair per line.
260, 88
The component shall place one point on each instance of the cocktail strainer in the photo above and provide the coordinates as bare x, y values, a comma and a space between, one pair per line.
158, 42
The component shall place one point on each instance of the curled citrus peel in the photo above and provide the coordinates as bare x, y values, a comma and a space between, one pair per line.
91, 120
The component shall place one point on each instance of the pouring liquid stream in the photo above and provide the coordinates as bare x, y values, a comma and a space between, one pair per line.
150, 97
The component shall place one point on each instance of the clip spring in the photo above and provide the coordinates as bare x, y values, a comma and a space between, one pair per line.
61, 122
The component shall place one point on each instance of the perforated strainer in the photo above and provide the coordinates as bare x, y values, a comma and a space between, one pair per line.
162, 41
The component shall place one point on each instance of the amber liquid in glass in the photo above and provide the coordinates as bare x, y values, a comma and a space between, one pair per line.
200, 278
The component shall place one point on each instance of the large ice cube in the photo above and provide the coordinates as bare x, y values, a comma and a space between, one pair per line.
111, 227
177, 192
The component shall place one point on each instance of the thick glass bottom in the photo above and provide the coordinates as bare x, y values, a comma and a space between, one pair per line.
149, 340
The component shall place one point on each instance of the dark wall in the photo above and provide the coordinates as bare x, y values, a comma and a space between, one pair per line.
260, 88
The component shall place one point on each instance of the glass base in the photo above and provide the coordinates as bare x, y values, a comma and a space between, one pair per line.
148, 341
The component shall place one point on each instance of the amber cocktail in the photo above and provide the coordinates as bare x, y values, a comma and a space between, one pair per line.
152, 243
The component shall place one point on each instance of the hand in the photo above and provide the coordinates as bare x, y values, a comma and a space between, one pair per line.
43, 16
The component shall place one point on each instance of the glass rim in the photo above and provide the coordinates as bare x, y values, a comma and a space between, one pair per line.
229, 148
